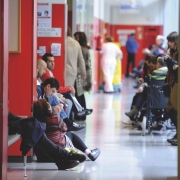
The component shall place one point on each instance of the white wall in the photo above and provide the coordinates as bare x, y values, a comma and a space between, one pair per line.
99, 9
148, 15
53, 1
171, 16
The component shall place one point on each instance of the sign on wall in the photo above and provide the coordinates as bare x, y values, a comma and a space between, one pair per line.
49, 32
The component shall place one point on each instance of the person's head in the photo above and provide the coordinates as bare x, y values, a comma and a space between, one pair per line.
132, 35
76, 36
46, 13
51, 85
159, 40
41, 67
82, 39
69, 32
42, 110
109, 39
160, 61
172, 39
49, 59
147, 58
152, 62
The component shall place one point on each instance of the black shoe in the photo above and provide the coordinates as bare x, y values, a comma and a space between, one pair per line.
174, 143
62, 165
88, 111
77, 157
76, 127
94, 154
174, 139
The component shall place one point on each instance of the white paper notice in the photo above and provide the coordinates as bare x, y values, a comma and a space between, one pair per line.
56, 49
44, 15
42, 50
49, 32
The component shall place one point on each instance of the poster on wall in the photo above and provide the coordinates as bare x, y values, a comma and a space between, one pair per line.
44, 14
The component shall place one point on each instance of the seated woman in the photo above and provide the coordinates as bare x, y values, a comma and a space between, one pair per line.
56, 131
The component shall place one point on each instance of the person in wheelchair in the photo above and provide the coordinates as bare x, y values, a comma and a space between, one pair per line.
140, 97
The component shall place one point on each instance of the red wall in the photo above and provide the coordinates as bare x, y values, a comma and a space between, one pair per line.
149, 34
58, 21
20, 70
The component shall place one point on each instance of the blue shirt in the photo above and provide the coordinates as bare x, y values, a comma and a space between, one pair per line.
52, 100
132, 45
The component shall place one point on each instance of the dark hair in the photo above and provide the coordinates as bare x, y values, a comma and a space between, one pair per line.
173, 37
82, 39
46, 55
76, 33
132, 34
152, 59
41, 110
54, 83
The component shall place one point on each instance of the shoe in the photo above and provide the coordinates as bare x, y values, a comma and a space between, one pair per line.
134, 111
76, 127
88, 111
174, 139
94, 154
77, 157
62, 165
174, 143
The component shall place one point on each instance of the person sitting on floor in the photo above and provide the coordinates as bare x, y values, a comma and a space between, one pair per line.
32, 133
56, 130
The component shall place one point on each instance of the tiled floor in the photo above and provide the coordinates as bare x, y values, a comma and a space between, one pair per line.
125, 154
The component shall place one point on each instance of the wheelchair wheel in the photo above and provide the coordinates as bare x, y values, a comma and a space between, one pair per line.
143, 125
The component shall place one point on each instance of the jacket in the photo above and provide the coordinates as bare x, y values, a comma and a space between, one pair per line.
31, 130
132, 45
74, 59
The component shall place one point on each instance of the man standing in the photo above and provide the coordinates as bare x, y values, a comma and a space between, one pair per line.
74, 59
131, 47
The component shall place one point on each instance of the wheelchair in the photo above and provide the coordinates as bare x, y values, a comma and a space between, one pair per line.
154, 108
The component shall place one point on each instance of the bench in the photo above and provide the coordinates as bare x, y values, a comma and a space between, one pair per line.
12, 139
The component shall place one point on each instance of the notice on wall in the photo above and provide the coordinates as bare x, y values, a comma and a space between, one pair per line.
49, 32
56, 49
44, 14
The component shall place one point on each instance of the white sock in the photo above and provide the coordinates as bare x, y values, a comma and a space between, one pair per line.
87, 151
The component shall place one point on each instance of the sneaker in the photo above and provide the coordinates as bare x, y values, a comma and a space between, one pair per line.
64, 164
76, 127
78, 157
94, 154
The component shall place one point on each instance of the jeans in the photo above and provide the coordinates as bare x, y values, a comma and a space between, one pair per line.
68, 110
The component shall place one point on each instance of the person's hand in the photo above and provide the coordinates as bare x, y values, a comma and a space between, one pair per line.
175, 67
57, 109
72, 90
140, 89
140, 80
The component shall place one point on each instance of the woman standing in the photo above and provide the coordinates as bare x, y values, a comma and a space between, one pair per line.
110, 52
86, 85
172, 80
